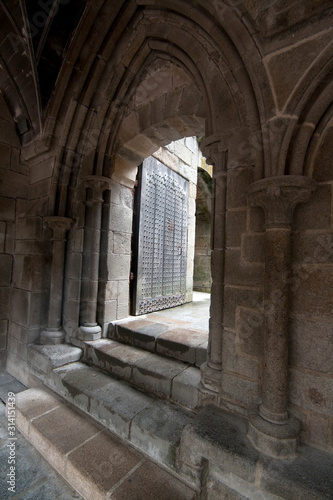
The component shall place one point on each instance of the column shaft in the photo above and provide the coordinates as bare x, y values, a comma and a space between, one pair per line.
89, 328
277, 271
54, 333
273, 430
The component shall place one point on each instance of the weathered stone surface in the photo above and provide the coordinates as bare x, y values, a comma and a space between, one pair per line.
253, 248
311, 391
239, 296
219, 437
58, 432
238, 389
240, 273
180, 344
235, 227
307, 476
250, 329
238, 181
311, 291
311, 248
164, 486
54, 356
316, 213
155, 374
157, 431
311, 345
185, 388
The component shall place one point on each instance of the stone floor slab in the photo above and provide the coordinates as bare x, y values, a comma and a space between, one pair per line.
99, 464
59, 431
150, 482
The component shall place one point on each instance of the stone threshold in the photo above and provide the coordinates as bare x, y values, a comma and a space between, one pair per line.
168, 339
94, 462
157, 375
151, 425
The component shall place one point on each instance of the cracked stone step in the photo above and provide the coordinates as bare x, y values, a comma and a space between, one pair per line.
183, 344
121, 408
93, 461
155, 374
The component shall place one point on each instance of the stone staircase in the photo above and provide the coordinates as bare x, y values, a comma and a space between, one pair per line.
143, 399
144, 389
141, 383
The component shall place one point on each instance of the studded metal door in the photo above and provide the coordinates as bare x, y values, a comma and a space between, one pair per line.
161, 238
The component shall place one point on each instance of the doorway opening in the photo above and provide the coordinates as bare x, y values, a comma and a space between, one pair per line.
171, 232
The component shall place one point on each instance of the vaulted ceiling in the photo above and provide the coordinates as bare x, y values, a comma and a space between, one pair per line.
35, 38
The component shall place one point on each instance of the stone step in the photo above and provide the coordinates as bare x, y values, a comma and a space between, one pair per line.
93, 461
151, 425
167, 339
156, 375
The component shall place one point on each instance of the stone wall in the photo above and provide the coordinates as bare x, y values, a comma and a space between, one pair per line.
13, 193
202, 280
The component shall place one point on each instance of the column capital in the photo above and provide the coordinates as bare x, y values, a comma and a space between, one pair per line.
278, 196
214, 149
97, 184
59, 226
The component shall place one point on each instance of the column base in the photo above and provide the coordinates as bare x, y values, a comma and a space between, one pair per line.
210, 378
87, 332
279, 440
52, 336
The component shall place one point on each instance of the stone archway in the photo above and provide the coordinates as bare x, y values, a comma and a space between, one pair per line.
177, 80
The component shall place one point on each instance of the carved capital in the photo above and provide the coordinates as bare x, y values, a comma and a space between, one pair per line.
278, 196
214, 148
97, 184
59, 226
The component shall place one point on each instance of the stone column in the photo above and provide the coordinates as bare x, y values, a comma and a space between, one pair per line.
54, 334
89, 328
273, 430
211, 370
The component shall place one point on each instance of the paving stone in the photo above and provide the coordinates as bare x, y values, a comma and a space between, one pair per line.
33, 403
96, 466
155, 373
60, 431
185, 387
164, 486
157, 431
35, 478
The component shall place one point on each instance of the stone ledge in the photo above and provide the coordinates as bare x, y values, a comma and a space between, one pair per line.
215, 454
